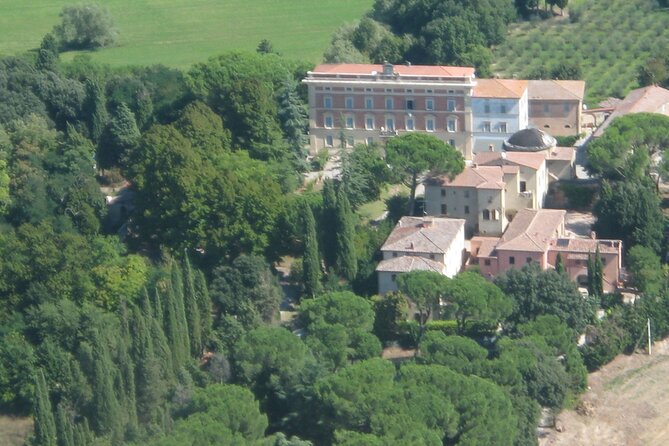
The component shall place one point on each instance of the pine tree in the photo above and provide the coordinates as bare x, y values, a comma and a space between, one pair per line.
64, 427
178, 289
347, 263
328, 224
311, 265
45, 425
204, 305
559, 264
192, 310
96, 109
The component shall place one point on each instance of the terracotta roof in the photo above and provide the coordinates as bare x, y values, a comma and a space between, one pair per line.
405, 264
532, 230
562, 154
487, 246
610, 103
480, 177
500, 88
556, 90
649, 99
423, 235
402, 70
585, 245
526, 159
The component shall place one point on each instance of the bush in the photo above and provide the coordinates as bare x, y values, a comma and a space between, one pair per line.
578, 197
449, 328
322, 157
85, 27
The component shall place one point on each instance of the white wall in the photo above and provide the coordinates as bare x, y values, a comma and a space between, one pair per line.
515, 118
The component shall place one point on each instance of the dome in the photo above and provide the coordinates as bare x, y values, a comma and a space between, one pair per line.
529, 140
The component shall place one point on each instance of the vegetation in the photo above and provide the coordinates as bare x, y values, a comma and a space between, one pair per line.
610, 41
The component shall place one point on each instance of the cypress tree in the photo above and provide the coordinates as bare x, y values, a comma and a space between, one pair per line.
192, 310
64, 427
96, 109
83, 436
598, 267
311, 267
158, 307
150, 385
45, 425
126, 386
173, 332
347, 263
591, 276
107, 413
158, 340
204, 305
559, 264
328, 224
178, 290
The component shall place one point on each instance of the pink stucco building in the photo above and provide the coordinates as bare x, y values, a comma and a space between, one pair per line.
538, 235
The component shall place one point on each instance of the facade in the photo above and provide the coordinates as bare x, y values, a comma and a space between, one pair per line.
556, 106
432, 244
538, 236
651, 99
499, 109
366, 103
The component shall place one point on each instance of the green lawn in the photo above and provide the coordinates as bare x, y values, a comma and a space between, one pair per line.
180, 32
610, 39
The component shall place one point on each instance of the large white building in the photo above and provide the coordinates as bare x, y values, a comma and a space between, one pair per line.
499, 109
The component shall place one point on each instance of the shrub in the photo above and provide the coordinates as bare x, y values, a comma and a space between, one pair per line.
85, 27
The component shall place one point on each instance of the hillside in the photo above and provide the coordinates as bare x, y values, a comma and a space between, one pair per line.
610, 39
180, 32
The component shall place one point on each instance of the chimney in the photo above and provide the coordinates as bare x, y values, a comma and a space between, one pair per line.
387, 68
427, 223
491, 148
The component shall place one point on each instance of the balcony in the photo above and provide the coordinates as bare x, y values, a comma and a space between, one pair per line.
383, 133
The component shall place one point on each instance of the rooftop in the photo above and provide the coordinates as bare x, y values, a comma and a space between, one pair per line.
405, 264
480, 177
402, 70
500, 88
532, 230
423, 235
582, 245
651, 99
526, 159
556, 90
529, 140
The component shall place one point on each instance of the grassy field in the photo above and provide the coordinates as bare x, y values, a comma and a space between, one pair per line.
610, 39
180, 32
14, 431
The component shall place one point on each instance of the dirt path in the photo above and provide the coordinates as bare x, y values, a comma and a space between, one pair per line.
627, 405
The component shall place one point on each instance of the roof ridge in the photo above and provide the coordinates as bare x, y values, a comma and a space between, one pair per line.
431, 241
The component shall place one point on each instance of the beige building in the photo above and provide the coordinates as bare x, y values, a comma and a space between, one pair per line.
366, 103
432, 244
556, 106
538, 235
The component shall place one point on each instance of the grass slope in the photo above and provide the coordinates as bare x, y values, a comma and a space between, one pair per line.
611, 39
180, 32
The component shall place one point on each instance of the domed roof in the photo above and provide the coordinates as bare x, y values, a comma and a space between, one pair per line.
529, 140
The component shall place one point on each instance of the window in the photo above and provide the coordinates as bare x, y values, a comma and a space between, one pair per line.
486, 214
523, 186
327, 101
566, 107
502, 127
393, 277
547, 108
409, 104
429, 104
369, 103
370, 141
349, 122
495, 214
443, 209
348, 103
428, 90
390, 124
369, 122
486, 126
410, 123
486, 108
502, 108
450, 105
512, 260
368, 89
466, 209
546, 126
349, 89
466, 194
328, 88
432, 256
394, 254
528, 259
328, 121
451, 124
389, 90
451, 142
429, 124
486, 262
389, 103
443, 192
328, 140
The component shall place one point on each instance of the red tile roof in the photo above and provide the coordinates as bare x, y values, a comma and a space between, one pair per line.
500, 88
556, 90
405, 264
526, 159
402, 70
532, 230
480, 177
423, 235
